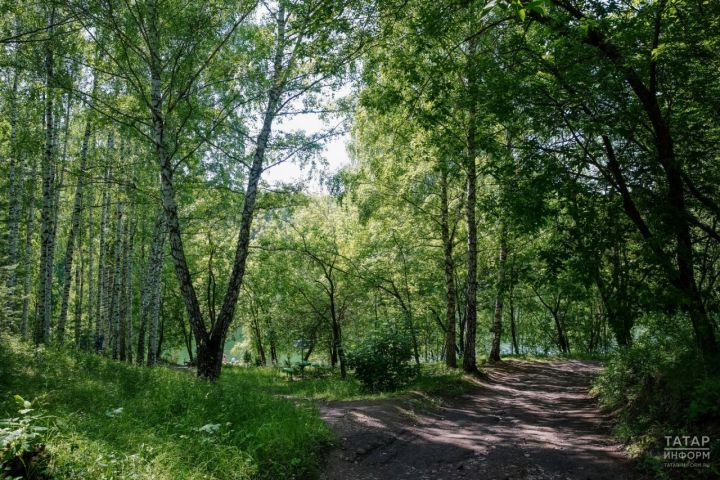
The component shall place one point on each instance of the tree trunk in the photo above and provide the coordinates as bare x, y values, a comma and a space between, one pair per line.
48, 182
497, 319
513, 326
209, 343
271, 338
469, 362
333, 349
338, 351
116, 284
187, 337
153, 272
154, 324
120, 287
161, 336
91, 255
209, 359
98, 304
14, 196
128, 294
450, 358
72, 235
27, 255
562, 338
460, 314
258, 336
79, 276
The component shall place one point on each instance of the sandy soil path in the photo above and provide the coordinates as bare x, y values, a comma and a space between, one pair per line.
529, 420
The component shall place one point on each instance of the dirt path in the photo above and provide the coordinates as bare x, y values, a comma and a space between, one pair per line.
527, 421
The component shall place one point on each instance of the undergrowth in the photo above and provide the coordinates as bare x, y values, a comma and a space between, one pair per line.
111, 420
661, 387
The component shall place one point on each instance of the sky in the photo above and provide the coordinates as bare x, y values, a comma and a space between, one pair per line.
335, 155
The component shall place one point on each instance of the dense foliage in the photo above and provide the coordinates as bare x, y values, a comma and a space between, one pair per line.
382, 360
525, 177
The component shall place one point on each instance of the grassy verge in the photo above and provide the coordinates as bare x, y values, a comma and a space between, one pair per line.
110, 420
659, 389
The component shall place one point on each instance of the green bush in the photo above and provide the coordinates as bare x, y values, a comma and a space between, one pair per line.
705, 405
382, 360
22, 453
657, 387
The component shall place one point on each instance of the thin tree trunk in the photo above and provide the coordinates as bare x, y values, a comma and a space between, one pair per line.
187, 337
271, 338
72, 235
154, 324
338, 355
513, 326
14, 195
157, 324
255, 323
497, 319
114, 284
91, 256
128, 294
75, 221
450, 358
118, 295
469, 362
27, 255
48, 182
79, 276
153, 272
99, 337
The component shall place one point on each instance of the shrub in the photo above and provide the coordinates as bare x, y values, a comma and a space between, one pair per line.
705, 405
659, 387
382, 360
22, 453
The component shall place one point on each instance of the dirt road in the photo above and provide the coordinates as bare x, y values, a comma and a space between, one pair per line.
529, 420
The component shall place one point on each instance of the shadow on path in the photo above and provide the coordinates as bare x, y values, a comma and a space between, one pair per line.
526, 421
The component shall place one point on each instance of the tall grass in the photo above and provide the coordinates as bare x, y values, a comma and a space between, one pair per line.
115, 421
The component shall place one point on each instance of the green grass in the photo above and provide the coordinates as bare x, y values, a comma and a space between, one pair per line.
158, 434
434, 380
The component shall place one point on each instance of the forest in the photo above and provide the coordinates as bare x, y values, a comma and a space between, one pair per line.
359, 239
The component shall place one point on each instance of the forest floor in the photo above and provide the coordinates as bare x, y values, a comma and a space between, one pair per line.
527, 420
